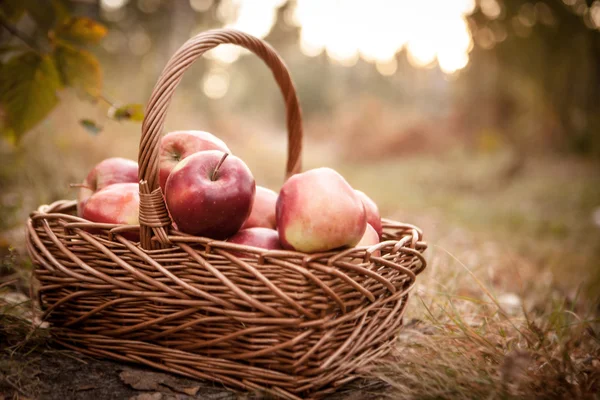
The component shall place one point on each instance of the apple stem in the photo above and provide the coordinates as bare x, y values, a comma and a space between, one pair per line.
79, 185
214, 174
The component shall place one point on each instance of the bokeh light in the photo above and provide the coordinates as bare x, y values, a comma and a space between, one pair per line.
595, 13
139, 42
112, 4
387, 68
490, 8
201, 5
375, 31
148, 6
215, 83
254, 17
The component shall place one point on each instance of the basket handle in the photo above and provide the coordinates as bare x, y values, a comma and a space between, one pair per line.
152, 213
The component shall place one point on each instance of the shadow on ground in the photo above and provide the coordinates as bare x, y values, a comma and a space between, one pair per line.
47, 373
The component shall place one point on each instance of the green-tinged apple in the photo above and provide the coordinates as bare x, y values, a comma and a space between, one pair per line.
263, 209
264, 238
118, 203
373, 216
107, 172
318, 211
210, 193
177, 145
370, 238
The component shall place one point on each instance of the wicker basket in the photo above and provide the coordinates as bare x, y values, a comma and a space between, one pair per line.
292, 324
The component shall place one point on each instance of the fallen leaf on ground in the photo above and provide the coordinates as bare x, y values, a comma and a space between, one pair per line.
85, 387
157, 381
148, 396
191, 390
143, 380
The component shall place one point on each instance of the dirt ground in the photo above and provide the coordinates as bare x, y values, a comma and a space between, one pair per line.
40, 370
65, 375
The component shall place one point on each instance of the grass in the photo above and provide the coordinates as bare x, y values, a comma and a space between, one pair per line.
478, 346
508, 306
539, 223
21, 337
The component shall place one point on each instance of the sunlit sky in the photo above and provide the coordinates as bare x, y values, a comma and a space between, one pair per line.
346, 30
434, 33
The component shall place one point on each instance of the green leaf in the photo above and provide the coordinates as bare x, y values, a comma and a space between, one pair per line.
80, 30
91, 126
132, 112
78, 68
28, 86
61, 11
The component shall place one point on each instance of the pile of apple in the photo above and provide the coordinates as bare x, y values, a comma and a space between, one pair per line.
211, 193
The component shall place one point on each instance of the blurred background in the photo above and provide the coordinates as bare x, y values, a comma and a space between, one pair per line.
478, 120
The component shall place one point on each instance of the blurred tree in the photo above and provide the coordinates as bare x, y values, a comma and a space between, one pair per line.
545, 62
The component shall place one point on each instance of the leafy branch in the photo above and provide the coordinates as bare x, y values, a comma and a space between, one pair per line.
32, 75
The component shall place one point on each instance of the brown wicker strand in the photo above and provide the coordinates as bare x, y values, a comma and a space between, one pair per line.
153, 212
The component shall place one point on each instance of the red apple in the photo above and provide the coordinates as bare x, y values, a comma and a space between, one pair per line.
370, 238
107, 172
257, 237
263, 209
115, 204
318, 211
372, 210
210, 194
175, 146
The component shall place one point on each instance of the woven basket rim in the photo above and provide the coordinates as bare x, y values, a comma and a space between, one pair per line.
61, 206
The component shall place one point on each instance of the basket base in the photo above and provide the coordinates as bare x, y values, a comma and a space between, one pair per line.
233, 375
290, 324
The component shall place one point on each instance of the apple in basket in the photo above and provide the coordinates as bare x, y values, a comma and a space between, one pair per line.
318, 211
210, 193
370, 238
107, 172
263, 209
118, 203
177, 145
373, 216
265, 238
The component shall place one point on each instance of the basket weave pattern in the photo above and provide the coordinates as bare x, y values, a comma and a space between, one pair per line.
296, 325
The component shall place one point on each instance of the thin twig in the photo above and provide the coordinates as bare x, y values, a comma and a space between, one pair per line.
15, 32
108, 101
16, 387
10, 281
501, 310
68, 353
